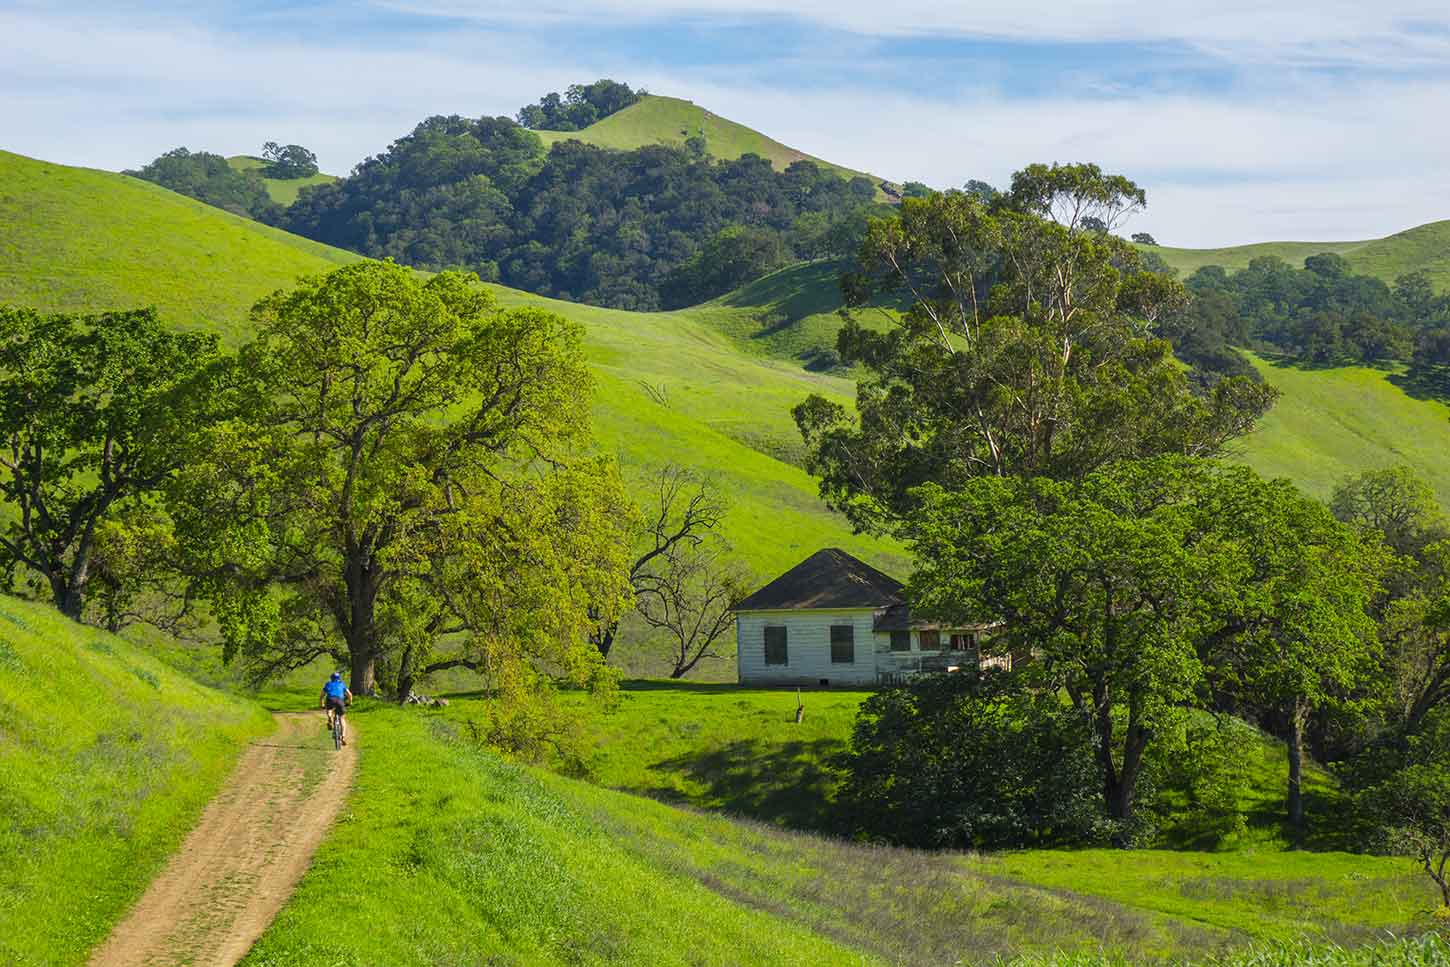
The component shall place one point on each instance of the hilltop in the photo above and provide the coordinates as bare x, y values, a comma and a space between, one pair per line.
283, 191
1426, 247
655, 119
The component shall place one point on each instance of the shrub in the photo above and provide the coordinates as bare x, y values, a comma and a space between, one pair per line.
968, 762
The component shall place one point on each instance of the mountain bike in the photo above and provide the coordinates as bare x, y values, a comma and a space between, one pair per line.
337, 730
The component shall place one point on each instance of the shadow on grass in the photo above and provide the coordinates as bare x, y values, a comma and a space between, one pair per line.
1425, 383
785, 785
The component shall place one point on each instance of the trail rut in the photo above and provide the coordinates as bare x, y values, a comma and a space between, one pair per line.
239, 865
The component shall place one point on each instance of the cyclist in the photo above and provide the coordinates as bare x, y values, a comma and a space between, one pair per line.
335, 698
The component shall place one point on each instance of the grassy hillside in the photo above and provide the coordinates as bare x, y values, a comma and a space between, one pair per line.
1331, 423
74, 238
449, 855
283, 190
670, 120
106, 758
671, 388
1424, 248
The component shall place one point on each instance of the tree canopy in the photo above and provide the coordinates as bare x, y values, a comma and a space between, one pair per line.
580, 106
1027, 349
401, 494
95, 414
211, 178
288, 160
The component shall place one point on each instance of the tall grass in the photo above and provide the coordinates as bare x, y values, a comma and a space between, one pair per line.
106, 758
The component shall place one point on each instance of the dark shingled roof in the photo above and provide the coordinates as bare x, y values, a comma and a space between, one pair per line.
827, 579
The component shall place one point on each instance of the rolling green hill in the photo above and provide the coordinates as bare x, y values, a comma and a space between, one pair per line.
283, 190
1426, 247
671, 387
106, 758
671, 120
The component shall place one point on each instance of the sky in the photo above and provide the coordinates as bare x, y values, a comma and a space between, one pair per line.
1245, 120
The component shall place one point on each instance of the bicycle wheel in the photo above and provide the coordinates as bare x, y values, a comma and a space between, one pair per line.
337, 732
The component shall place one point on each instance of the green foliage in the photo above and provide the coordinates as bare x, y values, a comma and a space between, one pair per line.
583, 223
401, 477
957, 762
285, 162
1410, 807
581, 106
730, 258
211, 178
1323, 313
95, 412
108, 758
1023, 351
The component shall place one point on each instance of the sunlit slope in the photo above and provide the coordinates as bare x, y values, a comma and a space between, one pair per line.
1331, 423
74, 238
672, 389
106, 758
284, 191
672, 120
1426, 248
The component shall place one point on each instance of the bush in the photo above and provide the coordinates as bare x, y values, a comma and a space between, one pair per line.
957, 761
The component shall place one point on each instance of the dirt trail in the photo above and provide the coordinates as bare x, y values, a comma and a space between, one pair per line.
240, 863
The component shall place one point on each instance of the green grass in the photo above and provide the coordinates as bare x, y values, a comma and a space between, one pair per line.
1425, 247
1331, 423
283, 191
77, 239
448, 855
671, 120
106, 759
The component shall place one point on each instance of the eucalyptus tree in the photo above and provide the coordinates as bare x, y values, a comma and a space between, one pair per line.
1025, 348
405, 493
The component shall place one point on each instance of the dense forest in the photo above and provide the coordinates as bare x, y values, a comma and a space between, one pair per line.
1323, 313
656, 227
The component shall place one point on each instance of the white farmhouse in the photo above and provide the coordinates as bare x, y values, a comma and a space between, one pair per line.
835, 620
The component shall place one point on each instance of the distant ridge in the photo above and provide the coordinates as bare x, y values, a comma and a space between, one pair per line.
1425, 247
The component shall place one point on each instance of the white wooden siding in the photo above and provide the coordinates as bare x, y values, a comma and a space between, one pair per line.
808, 647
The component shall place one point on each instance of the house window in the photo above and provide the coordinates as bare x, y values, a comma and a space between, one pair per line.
929, 640
843, 644
964, 642
776, 652
901, 641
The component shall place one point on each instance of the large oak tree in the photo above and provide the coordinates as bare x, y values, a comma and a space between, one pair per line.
405, 493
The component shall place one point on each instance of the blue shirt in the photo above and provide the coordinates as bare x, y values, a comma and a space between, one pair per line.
335, 689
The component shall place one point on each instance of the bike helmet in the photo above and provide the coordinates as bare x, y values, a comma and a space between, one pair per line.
337, 676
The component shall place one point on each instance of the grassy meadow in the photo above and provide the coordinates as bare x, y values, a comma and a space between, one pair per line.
671, 120
448, 854
283, 191
107, 757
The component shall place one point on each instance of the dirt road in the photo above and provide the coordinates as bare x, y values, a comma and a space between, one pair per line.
240, 863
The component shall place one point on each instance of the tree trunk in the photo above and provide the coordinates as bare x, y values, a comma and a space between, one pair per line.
363, 676
1296, 766
69, 598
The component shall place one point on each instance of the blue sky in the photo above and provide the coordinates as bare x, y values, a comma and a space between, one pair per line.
1245, 121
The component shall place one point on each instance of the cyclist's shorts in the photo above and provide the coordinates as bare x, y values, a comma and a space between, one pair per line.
337, 705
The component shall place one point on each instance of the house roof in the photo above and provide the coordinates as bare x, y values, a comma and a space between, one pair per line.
898, 617
830, 578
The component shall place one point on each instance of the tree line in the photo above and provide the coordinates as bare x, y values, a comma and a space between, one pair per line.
1323, 313
1056, 475
663, 226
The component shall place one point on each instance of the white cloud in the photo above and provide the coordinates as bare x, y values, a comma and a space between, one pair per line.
1384, 33
1315, 159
